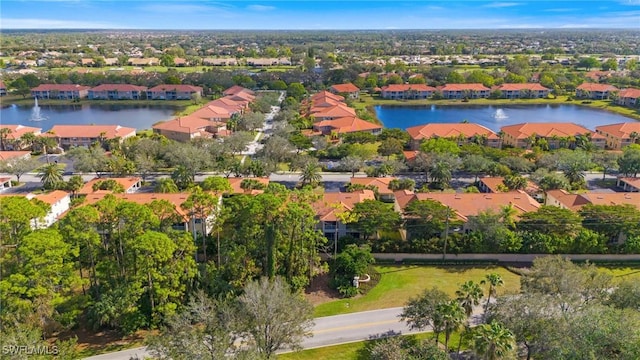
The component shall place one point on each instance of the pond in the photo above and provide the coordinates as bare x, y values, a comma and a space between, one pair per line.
137, 116
495, 116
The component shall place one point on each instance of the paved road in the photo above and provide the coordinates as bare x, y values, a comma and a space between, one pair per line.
330, 330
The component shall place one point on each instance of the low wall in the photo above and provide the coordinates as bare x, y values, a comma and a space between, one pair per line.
505, 258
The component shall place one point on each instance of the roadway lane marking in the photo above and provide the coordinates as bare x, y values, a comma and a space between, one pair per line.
356, 326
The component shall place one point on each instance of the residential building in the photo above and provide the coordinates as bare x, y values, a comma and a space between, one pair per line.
236, 185
219, 62
14, 155
332, 112
12, 142
463, 133
5, 183
406, 91
630, 184
59, 202
495, 184
556, 135
626, 97
575, 202
620, 135
3, 88
594, 91
351, 90
144, 61
466, 205
85, 135
465, 91
129, 184
380, 183
236, 89
526, 91
330, 208
117, 92
173, 92
347, 124
214, 113
183, 219
186, 128
60, 91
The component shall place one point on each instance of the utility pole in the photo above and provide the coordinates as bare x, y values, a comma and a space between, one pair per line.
446, 235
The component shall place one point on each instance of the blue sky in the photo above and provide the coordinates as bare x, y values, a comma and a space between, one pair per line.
320, 15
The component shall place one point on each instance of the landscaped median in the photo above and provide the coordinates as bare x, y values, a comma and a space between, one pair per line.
400, 283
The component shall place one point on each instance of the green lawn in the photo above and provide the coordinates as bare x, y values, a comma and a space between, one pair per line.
623, 273
356, 350
399, 283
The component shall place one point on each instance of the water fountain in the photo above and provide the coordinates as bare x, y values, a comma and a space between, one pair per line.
35, 113
500, 115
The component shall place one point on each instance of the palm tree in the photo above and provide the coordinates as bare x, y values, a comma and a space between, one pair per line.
493, 341
494, 280
30, 139
449, 316
310, 174
51, 176
468, 296
634, 136
4, 134
441, 173
166, 186
46, 143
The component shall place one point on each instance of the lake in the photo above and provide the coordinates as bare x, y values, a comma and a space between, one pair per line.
495, 116
137, 116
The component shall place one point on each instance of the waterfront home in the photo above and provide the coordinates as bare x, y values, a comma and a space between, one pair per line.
129, 184
59, 202
351, 90
629, 97
630, 184
182, 218
60, 91
86, 135
236, 89
330, 208
173, 92
553, 135
594, 91
331, 112
3, 88
523, 91
214, 113
117, 92
186, 128
346, 124
462, 206
406, 91
620, 135
574, 202
12, 140
465, 91
462, 133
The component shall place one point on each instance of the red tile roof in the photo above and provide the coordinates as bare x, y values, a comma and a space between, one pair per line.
408, 87
621, 130
186, 124
118, 87
345, 88
348, 124
334, 111
464, 87
596, 87
524, 130
146, 198
236, 182
177, 88
8, 155
236, 89
90, 131
212, 112
325, 94
52, 197
517, 87
629, 93
577, 201
18, 130
470, 204
2, 85
449, 130
60, 87
382, 183
337, 202
127, 183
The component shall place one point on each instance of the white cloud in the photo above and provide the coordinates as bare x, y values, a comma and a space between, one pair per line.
261, 7
501, 4
176, 8
56, 24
